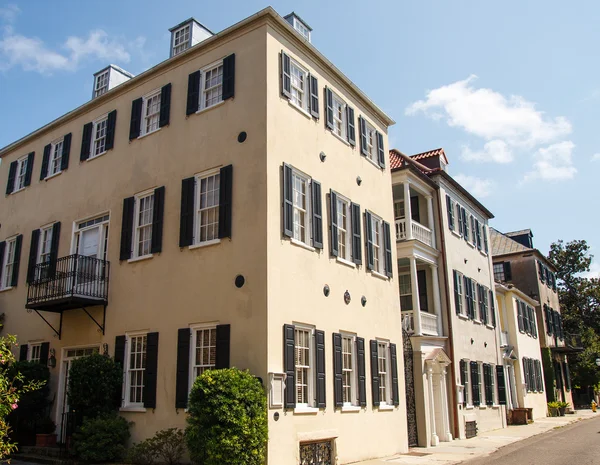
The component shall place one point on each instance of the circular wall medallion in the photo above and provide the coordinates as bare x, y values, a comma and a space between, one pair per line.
276, 416
326, 290
363, 300
347, 297
242, 136
322, 156
358, 180
239, 281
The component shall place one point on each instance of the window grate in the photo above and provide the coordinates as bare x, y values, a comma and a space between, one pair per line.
471, 429
316, 453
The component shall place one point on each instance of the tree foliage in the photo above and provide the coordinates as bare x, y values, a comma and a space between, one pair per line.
101, 439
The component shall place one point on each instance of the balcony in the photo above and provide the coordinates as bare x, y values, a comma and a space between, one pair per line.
428, 323
503, 338
419, 232
74, 281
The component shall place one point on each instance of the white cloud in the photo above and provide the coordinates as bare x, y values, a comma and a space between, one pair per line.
97, 45
9, 13
31, 54
553, 163
596, 157
476, 186
495, 150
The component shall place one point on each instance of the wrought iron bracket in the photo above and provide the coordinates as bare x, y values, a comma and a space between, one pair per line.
59, 332
100, 326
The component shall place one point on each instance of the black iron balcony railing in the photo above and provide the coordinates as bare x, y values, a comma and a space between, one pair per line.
69, 282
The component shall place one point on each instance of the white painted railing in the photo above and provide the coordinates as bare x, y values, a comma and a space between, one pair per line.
400, 230
428, 323
503, 338
408, 321
419, 232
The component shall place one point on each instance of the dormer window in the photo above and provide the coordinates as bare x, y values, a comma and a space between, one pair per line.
181, 40
299, 25
101, 85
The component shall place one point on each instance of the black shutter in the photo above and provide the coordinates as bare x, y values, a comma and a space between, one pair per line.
317, 214
29, 170
465, 224
223, 346
289, 365
368, 226
328, 108
44, 352
547, 316
356, 234
23, 353
464, 379
489, 388
467, 290
362, 375
17, 260
86, 138
478, 234
456, 291
387, 240
374, 373
363, 136
2, 249
151, 372
54, 248
127, 228
485, 239
475, 383
320, 378
337, 370
422, 290
136, 119
286, 79
314, 96
558, 375
288, 205
520, 317
193, 93
501, 384
394, 362
12, 174
228, 77
334, 225
158, 212
111, 125
526, 373
165, 106
35, 240
380, 149
225, 201
119, 360
567, 375
507, 271
415, 214
450, 212
186, 221
493, 308
459, 219
45, 162
183, 367
66, 152
351, 128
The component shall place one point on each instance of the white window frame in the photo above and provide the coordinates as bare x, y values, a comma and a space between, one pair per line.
137, 227
179, 45
353, 376
55, 160
202, 105
154, 118
34, 352
306, 211
310, 370
101, 84
101, 222
194, 340
469, 392
127, 384
402, 276
300, 103
399, 210
301, 29
372, 155
386, 387
43, 254
339, 105
482, 403
346, 243
96, 141
500, 265
475, 288
462, 296
8, 261
378, 246
21, 174
198, 210
494, 391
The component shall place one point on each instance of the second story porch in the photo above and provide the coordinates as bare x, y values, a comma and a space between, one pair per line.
414, 212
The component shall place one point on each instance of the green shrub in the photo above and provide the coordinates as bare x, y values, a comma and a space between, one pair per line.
227, 419
101, 439
94, 385
167, 445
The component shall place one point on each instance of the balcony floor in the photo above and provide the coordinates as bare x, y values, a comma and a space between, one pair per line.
65, 303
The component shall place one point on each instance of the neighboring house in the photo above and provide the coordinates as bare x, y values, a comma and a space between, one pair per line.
521, 351
230, 206
517, 262
447, 301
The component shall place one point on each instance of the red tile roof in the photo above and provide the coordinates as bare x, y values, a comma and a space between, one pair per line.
395, 160
430, 153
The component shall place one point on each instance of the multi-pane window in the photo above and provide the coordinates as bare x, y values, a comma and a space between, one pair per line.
136, 369
348, 370
300, 199
459, 292
399, 212
371, 143
54, 164
339, 117
207, 207
99, 137
343, 224
151, 113
377, 235
6, 271
181, 40
499, 272
302, 29
299, 83
35, 352
143, 225
405, 292
480, 379
21, 174
212, 86
101, 86
383, 372
303, 354
45, 245
204, 343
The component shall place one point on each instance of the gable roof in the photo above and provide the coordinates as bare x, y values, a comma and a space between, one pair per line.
431, 153
519, 233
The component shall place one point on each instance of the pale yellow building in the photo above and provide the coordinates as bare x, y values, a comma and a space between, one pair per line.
230, 206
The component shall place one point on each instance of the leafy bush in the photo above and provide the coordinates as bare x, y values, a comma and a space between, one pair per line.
94, 385
101, 439
227, 419
168, 445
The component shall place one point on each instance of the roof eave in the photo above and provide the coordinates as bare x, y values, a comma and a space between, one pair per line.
463, 191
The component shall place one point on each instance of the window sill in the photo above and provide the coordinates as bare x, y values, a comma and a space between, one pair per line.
306, 411
476, 322
205, 244
148, 133
469, 407
463, 317
373, 162
495, 406
350, 408
456, 234
298, 243
300, 109
345, 141
482, 407
52, 176
139, 259
377, 274
385, 407
18, 190
203, 110
6, 289
97, 156
489, 326
133, 409
343, 261
471, 245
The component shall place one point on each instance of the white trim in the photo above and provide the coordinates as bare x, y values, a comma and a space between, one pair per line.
311, 372
203, 110
193, 342
95, 124
6, 289
140, 259
52, 158
304, 106
351, 408
302, 244
183, 45
305, 410
127, 404
20, 162
202, 90
132, 409
355, 402
147, 194
145, 135
377, 274
301, 110
204, 244
198, 177
345, 262
385, 407
144, 117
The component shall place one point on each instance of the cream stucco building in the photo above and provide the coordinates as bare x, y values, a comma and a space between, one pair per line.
230, 206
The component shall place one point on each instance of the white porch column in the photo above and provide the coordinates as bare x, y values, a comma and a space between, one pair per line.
407, 212
414, 289
430, 219
445, 412
437, 306
435, 440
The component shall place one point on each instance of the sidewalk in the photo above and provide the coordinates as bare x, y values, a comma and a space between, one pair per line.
465, 449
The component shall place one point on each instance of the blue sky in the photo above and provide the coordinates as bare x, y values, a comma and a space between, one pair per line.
509, 89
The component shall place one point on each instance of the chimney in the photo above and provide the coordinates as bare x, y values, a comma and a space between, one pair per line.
186, 35
299, 24
107, 78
